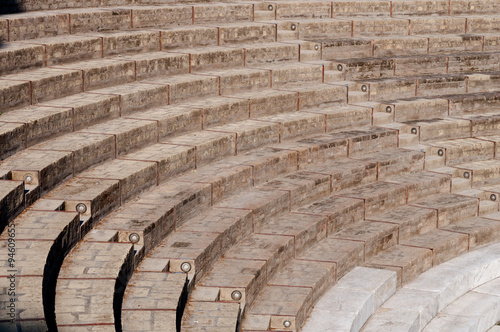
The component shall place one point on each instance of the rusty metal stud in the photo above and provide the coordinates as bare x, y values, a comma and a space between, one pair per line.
81, 208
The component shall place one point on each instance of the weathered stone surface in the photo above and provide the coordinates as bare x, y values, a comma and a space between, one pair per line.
15, 57
41, 123
129, 134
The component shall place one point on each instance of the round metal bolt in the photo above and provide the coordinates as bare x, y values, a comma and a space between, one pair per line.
287, 323
270, 7
316, 47
374, 136
340, 67
440, 152
236, 295
134, 237
28, 178
388, 109
414, 131
466, 175
364, 88
185, 267
293, 27
493, 197
81, 208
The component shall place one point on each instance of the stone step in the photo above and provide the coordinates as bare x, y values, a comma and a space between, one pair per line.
282, 74
383, 46
440, 129
53, 236
157, 294
378, 197
241, 79
480, 230
391, 162
459, 184
400, 66
482, 124
373, 139
298, 286
410, 220
365, 290
444, 245
481, 172
413, 306
374, 236
407, 261
483, 82
108, 271
449, 207
422, 184
465, 150
472, 103
491, 138
415, 108
482, 303
488, 207
256, 54
39, 85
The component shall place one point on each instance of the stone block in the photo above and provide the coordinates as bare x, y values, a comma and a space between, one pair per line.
129, 134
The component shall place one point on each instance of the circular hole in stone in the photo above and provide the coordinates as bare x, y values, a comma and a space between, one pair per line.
440, 152
270, 7
364, 88
388, 109
493, 197
134, 237
466, 175
81, 208
340, 67
185, 267
414, 131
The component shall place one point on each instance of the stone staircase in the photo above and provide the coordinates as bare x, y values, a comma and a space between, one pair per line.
219, 166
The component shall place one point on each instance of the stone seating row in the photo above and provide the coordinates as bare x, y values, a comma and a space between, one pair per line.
287, 9
230, 17
364, 289
434, 290
476, 310
52, 51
